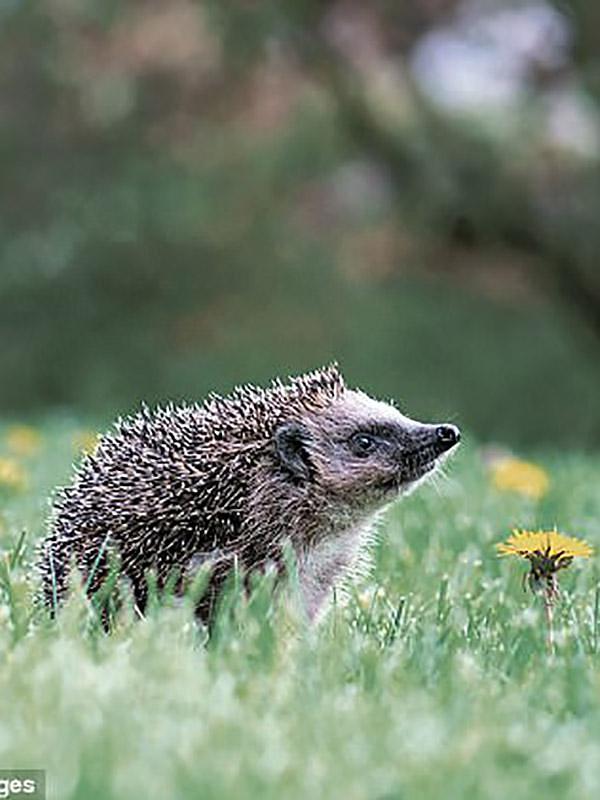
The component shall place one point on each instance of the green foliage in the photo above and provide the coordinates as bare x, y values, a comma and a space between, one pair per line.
189, 202
432, 681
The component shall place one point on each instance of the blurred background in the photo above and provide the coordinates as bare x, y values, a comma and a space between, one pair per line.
196, 194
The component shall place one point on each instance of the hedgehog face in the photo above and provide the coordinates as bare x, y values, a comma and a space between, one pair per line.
363, 452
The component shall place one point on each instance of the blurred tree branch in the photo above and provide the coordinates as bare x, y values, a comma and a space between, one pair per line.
472, 188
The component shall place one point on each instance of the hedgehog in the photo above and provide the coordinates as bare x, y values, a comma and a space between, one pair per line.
237, 483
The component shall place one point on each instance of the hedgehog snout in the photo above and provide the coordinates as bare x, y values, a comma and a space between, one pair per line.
433, 439
447, 436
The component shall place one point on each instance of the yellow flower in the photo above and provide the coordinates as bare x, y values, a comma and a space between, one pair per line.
85, 441
513, 475
23, 440
547, 552
12, 475
548, 543
368, 597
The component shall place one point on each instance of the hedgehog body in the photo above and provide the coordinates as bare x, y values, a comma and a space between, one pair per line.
234, 482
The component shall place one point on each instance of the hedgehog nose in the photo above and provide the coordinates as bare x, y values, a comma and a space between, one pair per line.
447, 436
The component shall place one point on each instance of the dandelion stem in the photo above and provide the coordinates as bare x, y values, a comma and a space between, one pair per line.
596, 616
549, 612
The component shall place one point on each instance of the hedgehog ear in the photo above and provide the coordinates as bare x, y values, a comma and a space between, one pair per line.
290, 443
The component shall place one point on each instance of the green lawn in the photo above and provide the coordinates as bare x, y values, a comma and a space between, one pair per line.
434, 681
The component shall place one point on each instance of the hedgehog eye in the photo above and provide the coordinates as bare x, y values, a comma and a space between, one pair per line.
363, 444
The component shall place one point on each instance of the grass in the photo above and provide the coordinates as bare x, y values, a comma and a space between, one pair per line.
432, 682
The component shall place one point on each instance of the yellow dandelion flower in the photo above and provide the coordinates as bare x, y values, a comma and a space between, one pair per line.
547, 552
513, 475
548, 543
23, 440
368, 598
12, 474
85, 441
365, 599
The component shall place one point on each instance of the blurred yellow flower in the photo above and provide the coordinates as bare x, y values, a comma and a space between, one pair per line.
367, 598
513, 475
23, 440
85, 441
12, 474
